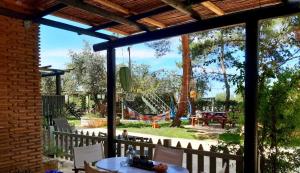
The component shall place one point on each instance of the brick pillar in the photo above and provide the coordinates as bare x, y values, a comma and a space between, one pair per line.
20, 98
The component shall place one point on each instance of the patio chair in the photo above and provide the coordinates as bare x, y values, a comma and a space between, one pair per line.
90, 154
61, 124
168, 155
89, 169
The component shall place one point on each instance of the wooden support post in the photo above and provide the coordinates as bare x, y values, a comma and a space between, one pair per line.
251, 82
58, 84
111, 102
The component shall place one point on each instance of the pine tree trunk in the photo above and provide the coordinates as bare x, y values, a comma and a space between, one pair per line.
223, 69
186, 67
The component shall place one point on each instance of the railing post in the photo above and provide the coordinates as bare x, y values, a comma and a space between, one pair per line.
200, 159
150, 149
239, 163
76, 138
226, 160
212, 161
167, 142
189, 158
71, 145
119, 145
66, 145
111, 102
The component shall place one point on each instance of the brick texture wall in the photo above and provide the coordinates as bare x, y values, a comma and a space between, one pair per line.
20, 99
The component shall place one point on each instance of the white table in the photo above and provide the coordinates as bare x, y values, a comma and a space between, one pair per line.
114, 164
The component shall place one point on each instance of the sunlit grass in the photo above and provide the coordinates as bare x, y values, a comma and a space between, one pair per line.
164, 131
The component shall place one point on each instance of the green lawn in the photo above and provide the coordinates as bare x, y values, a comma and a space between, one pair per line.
74, 122
231, 138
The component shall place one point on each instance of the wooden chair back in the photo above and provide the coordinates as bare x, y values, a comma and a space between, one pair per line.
168, 155
91, 153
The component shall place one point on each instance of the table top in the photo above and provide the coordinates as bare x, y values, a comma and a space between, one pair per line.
114, 164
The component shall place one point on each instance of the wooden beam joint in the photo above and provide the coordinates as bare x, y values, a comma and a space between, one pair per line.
186, 9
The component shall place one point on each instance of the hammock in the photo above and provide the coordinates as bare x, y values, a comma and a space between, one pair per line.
147, 117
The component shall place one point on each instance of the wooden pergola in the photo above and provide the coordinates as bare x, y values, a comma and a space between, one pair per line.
46, 71
137, 21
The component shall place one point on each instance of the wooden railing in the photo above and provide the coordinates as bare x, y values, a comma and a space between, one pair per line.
195, 160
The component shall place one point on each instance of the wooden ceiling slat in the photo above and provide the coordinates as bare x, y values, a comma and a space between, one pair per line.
139, 16
128, 12
113, 6
50, 10
211, 6
84, 6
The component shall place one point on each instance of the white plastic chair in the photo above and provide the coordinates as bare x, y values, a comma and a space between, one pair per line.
168, 155
91, 153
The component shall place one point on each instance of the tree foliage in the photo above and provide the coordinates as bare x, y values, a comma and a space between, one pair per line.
215, 52
278, 93
161, 47
279, 110
89, 72
48, 86
279, 79
160, 81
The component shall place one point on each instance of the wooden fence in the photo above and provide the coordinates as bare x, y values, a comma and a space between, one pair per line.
52, 107
195, 160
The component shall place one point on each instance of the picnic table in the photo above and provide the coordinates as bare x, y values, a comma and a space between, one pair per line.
220, 117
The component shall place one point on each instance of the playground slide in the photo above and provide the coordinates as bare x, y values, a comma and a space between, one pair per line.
153, 109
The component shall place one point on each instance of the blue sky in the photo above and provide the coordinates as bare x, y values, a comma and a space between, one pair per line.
56, 45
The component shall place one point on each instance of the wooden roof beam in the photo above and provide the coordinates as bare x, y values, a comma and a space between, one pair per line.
55, 24
186, 9
121, 9
72, 28
216, 22
214, 8
106, 14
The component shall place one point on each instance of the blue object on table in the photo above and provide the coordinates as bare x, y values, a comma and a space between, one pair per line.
53, 171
